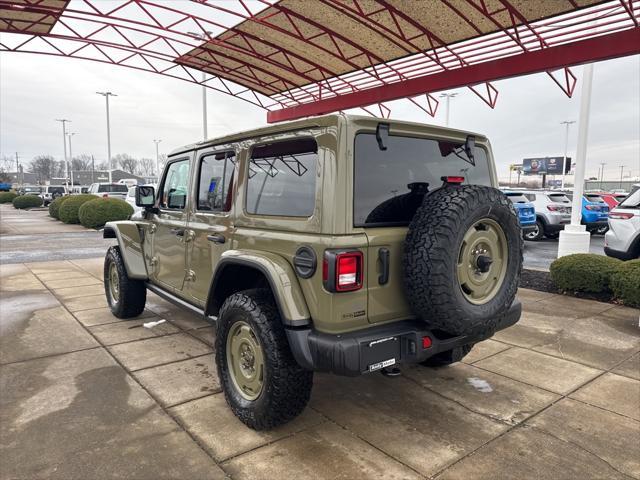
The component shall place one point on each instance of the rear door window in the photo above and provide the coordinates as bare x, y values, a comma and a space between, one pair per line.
216, 171
282, 179
389, 184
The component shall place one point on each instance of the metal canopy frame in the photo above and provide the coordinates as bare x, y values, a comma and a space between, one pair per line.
308, 67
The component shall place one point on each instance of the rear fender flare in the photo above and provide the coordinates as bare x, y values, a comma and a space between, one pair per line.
281, 279
130, 241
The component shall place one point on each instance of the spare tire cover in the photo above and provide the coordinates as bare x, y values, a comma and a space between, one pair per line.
462, 259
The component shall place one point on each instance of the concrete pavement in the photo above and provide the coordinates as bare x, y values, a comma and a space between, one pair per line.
84, 395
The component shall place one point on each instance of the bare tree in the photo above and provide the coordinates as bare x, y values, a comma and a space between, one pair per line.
81, 162
146, 167
126, 162
45, 167
7, 163
102, 166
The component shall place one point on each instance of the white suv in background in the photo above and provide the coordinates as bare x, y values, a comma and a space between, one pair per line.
553, 212
623, 238
110, 190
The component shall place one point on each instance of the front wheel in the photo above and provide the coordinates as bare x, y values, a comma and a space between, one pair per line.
262, 382
126, 297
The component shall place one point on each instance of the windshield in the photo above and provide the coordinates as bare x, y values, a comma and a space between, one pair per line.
517, 197
389, 184
32, 189
559, 198
113, 188
633, 200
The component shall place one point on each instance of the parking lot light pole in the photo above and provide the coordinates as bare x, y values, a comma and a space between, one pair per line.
71, 134
448, 96
157, 141
566, 123
574, 238
64, 142
106, 95
622, 167
601, 176
204, 36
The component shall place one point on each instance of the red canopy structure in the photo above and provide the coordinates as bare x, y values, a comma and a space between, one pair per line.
299, 58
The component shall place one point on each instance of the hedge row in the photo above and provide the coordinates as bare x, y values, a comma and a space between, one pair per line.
96, 213
70, 208
54, 207
27, 201
7, 197
598, 274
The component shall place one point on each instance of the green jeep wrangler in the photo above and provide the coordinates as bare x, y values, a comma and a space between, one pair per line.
340, 243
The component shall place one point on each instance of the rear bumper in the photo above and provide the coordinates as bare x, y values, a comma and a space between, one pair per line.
595, 224
622, 255
368, 350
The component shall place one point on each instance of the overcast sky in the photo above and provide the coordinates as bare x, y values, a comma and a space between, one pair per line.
36, 89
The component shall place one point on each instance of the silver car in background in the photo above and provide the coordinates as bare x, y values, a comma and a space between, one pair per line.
623, 238
553, 212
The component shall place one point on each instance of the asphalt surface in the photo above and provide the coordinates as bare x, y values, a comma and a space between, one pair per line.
539, 255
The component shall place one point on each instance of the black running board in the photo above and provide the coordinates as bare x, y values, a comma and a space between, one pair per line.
169, 297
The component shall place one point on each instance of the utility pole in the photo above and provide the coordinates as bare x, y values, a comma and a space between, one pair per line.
93, 169
566, 123
106, 95
204, 36
448, 96
601, 173
622, 167
18, 172
64, 142
157, 141
71, 155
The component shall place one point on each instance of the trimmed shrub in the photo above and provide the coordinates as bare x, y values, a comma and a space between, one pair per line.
7, 197
625, 283
54, 207
27, 201
68, 211
583, 272
96, 213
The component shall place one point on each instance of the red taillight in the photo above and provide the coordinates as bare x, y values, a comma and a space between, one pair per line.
620, 215
348, 271
454, 180
342, 271
426, 342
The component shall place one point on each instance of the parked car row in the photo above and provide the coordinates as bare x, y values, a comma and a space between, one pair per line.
49, 193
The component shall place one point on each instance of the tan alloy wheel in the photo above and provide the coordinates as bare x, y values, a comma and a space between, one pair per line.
245, 360
482, 261
114, 284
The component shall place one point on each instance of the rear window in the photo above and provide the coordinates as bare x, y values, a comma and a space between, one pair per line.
56, 189
559, 198
633, 200
282, 179
119, 188
389, 184
517, 197
32, 189
594, 198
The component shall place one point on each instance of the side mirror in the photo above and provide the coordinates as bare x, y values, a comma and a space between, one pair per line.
145, 196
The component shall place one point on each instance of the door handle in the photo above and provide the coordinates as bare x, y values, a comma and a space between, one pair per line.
383, 256
178, 231
219, 238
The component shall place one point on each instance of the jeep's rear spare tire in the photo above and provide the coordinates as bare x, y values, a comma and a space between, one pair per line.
462, 259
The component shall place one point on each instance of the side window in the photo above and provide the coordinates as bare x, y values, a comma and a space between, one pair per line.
282, 178
175, 186
216, 174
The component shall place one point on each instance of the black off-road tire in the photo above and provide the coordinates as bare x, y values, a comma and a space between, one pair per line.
286, 386
431, 255
449, 357
132, 294
538, 235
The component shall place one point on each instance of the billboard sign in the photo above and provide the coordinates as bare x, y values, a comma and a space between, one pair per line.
546, 165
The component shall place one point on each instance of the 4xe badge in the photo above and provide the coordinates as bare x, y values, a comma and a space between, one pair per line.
377, 366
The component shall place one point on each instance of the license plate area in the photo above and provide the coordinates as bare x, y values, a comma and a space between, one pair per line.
379, 353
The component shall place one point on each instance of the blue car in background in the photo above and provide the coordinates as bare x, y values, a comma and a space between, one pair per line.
526, 211
595, 213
